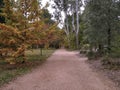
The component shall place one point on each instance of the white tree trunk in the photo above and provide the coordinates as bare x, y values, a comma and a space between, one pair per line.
73, 22
77, 24
67, 29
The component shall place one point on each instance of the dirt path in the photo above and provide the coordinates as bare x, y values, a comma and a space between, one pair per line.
64, 70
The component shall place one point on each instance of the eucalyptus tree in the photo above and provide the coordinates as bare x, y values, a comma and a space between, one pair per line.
76, 5
70, 8
62, 6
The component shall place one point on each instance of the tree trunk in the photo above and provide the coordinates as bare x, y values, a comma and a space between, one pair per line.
73, 22
109, 33
77, 21
77, 41
109, 40
100, 49
67, 30
41, 52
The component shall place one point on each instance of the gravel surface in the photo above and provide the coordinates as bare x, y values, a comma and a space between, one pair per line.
64, 70
112, 74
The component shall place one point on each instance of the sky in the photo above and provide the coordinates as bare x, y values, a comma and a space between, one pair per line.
51, 10
44, 2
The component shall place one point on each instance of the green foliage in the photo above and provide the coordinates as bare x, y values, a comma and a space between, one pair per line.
91, 55
72, 41
85, 49
46, 17
102, 24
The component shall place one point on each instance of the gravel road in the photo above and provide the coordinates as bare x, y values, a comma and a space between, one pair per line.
64, 70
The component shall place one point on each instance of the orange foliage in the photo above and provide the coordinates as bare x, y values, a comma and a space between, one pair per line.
14, 42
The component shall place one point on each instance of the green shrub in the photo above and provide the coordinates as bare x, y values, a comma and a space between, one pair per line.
91, 55
83, 52
111, 63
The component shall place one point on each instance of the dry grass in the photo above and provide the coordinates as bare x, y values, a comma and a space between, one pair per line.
34, 58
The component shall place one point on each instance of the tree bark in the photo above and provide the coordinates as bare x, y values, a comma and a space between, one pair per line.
77, 41
73, 22
77, 22
109, 33
109, 40
67, 29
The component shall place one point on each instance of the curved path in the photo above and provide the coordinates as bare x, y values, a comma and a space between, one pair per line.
64, 70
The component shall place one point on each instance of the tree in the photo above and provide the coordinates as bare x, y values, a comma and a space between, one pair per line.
77, 22
16, 35
13, 43
102, 22
26, 25
70, 8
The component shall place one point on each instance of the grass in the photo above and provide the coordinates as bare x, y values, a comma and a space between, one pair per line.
9, 72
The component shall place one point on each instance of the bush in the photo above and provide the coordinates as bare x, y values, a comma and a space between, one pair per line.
105, 60
83, 52
111, 63
93, 55
84, 49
